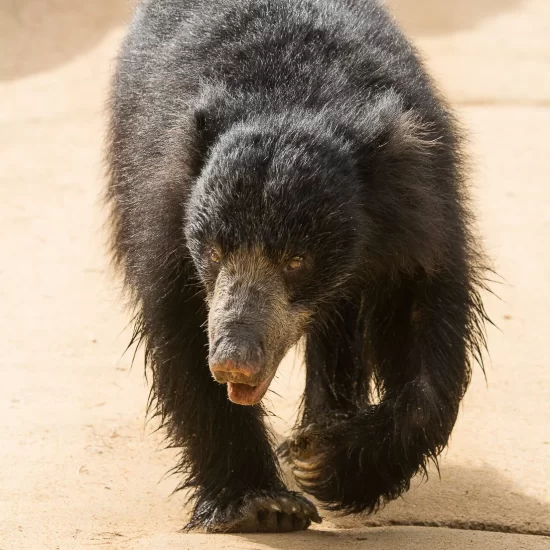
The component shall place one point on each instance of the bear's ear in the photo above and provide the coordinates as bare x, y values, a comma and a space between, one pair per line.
397, 145
408, 135
399, 134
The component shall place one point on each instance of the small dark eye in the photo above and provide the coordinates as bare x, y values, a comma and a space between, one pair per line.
294, 263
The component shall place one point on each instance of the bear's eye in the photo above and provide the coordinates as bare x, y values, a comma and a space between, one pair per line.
214, 257
295, 263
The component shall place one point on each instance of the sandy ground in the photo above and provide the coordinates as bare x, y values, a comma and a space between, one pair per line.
80, 467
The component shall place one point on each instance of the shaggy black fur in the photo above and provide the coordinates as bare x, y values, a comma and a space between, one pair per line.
286, 125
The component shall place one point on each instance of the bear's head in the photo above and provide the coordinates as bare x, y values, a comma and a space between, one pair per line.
276, 231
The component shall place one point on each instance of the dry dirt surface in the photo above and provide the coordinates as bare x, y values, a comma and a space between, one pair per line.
79, 466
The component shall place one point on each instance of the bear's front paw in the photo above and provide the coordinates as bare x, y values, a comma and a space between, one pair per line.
268, 512
335, 462
305, 451
323, 457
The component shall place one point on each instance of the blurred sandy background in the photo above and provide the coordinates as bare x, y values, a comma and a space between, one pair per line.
79, 467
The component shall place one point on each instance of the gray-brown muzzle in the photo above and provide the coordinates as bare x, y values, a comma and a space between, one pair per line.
251, 326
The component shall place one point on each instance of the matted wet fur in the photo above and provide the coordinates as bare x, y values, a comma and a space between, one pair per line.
281, 168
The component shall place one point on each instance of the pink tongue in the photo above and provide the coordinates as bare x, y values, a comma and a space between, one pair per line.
243, 394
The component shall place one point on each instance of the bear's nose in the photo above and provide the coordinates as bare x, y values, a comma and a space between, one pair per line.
239, 373
236, 360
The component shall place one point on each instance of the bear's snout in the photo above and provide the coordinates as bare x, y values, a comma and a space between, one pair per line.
241, 365
238, 359
251, 323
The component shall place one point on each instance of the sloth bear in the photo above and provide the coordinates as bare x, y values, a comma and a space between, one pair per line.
285, 169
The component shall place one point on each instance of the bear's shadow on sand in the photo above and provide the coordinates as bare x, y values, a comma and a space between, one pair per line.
465, 498
470, 501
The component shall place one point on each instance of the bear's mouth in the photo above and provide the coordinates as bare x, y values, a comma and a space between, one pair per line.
245, 394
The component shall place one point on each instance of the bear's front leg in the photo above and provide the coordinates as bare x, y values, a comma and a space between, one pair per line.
228, 464
232, 468
421, 335
360, 463
239, 488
